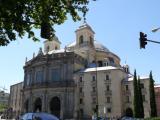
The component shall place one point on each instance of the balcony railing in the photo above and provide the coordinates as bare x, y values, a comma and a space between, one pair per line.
94, 103
94, 93
127, 92
81, 94
81, 105
93, 83
144, 91
81, 83
107, 81
108, 92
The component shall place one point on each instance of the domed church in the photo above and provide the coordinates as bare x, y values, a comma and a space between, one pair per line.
73, 82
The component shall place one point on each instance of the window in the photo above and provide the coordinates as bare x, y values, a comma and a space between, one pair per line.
56, 47
94, 89
126, 87
107, 77
39, 76
80, 90
105, 64
100, 63
81, 112
108, 99
28, 79
108, 88
142, 85
81, 101
94, 100
127, 99
111, 60
55, 74
143, 97
81, 39
94, 78
109, 110
80, 78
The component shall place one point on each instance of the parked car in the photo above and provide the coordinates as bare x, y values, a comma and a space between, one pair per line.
127, 118
38, 116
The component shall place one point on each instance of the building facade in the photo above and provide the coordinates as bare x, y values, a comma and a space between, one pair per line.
73, 82
4, 97
15, 99
157, 96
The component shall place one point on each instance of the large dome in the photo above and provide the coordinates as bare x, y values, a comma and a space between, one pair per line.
99, 47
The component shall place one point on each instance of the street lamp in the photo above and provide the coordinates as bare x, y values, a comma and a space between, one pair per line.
155, 29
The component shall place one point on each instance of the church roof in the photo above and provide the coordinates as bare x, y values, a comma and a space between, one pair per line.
100, 69
58, 51
55, 38
99, 47
85, 25
141, 78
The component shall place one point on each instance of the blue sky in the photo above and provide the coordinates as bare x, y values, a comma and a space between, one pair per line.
117, 24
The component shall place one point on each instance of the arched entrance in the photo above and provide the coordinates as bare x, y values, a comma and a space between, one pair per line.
26, 105
129, 112
55, 106
38, 105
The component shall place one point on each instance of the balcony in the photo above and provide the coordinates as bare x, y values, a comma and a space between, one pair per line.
94, 103
81, 94
144, 91
108, 92
107, 81
127, 92
94, 94
81, 105
81, 84
93, 83
108, 102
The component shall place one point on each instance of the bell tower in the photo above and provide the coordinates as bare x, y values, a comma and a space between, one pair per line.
85, 42
53, 44
85, 36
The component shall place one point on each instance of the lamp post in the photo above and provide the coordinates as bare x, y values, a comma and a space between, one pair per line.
155, 29
97, 107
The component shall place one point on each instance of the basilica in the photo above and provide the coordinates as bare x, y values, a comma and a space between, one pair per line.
76, 81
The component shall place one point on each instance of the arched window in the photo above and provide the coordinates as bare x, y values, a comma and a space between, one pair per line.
91, 40
56, 47
81, 39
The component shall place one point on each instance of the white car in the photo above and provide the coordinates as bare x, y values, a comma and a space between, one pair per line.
38, 116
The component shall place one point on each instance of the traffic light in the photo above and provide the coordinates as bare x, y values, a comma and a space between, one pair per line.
143, 40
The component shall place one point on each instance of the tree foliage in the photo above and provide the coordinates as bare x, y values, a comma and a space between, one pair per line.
136, 104
152, 97
141, 107
3, 107
18, 17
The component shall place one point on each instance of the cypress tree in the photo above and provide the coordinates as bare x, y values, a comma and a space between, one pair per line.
136, 104
152, 96
141, 108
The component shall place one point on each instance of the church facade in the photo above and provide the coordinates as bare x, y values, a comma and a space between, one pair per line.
73, 82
